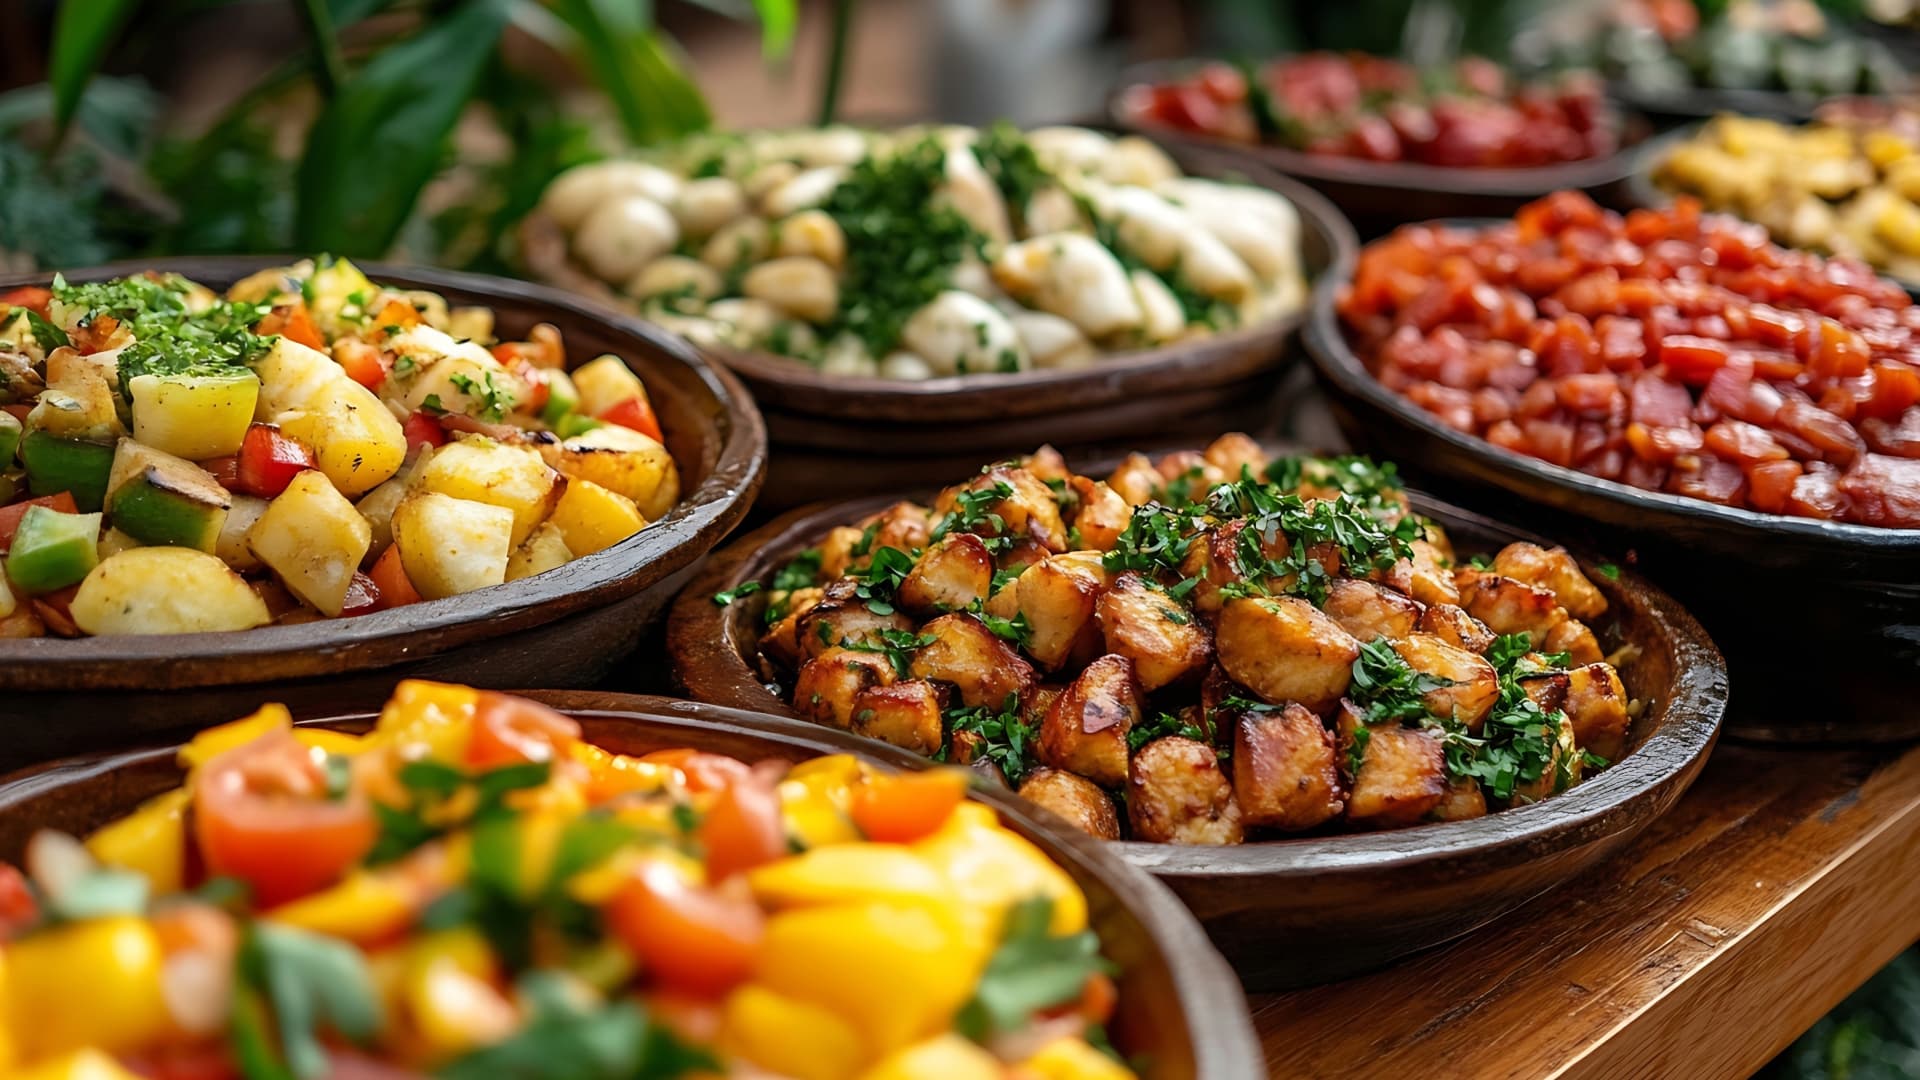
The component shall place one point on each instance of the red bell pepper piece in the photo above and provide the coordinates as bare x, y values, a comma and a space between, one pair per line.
35, 298
423, 427
362, 362
18, 908
10, 515
224, 469
390, 577
363, 596
269, 460
295, 323
633, 413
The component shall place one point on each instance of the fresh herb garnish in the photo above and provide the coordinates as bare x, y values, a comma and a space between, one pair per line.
432, 787
877, 581
898, 646
1033, 970
567, 1038
1161, 726
1009, 159
1611, 571
1006, 737
972, 512
728, 596
1156, 538
1015, 629
495, 401
310, 983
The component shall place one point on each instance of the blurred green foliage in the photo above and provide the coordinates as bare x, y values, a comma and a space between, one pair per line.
1873, 1035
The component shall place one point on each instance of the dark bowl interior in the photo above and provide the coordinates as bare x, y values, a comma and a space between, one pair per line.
1295, 912
61, 695
1180, 1010
1778, 593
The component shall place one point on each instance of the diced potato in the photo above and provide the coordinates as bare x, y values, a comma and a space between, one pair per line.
193, 416
1099, 515
496, 474
1058, 596
1368, 611
1285, 649
1163, 639
1428, 579
1507, 606
1176, 794
842, 618
830, 683
781, 642
1136, 480
1574, 638
358, 442
954, 573
232, 543
339, 293
621, 460
983, 669
606, 382
1597, 704
591, 518
1074, 798
1555, 571
1463, 801
1471, 687
165, 590
1028, 509
1085, 731
450, 546
906, 714
1454, 626
545, 549
293, 377
1402, 775
313, 539
1284, 772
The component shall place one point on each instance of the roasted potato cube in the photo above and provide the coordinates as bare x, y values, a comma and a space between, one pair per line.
1075, 799
1033, 709
1368, 611
1402, 775
1463, 800
836, 551
904, 525
1508, 606
954, 573
1233, 451
1085, 730
1597, 705
842, 618
1548, 691
1576, 640
781, 642
1099, 515
906, 714
966, 655
1163, 639
830, 683
1187, 476
1047, 464
1560, 774
1555, 571
1026, 511
1430, 580
1451, 624
1472, 685
1136, 480
1284, 773
1176, 794
1057, 596
1213, 558
1285, 649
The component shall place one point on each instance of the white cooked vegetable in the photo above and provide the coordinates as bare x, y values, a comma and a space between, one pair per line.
958, 333
624, 235
165, 590
451, 546
1074, 277
575, 194
802, 287
708, 203
901, 364
804, 192
975, 196
1051, 341
676, 275
1163, 319
814, 234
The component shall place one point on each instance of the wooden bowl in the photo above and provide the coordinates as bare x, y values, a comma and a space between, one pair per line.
1378, 196
1180, 1010
840, 435
1782, 595
1295, 912
567, 627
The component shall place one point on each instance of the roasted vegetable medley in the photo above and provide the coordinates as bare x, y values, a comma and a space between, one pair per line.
1847, 186
930, 251
1211, 648
1667, 349
310, 445
470, 891
1473, 115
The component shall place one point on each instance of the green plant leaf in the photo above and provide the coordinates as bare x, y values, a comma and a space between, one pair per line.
778, 20
637, 69
383, 136
81, 33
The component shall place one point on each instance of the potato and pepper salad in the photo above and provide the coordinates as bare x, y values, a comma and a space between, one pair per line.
1207, 649
470, 891
310, 445
931, 251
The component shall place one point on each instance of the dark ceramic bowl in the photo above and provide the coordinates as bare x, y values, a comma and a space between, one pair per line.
1668, 108
1180, 1011
1377, 196
569, 627
838, 436
1785, 597
1294, 912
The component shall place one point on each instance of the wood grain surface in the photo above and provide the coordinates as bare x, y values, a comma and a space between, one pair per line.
1778, 885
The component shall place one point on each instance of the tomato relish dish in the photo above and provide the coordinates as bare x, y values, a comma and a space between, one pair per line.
309, 445
1210, 648
471, 890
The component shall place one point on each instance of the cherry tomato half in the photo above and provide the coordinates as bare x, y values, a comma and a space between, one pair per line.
514, 731
693, 939
262, 813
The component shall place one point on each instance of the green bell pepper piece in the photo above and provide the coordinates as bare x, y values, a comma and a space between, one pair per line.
10, 433
55, 465
52, 550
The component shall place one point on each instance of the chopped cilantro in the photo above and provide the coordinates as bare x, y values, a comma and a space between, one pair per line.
1006, 737
1032, 970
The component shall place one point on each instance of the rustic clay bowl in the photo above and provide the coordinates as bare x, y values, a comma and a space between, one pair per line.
838, 436
1180, 1011
1377, 196
1782, 595
569, 627
1294, 912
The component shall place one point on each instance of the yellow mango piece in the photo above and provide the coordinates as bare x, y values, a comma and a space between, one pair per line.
850, 873
1074, 1059
85, 984
788, 1037
151, 841
435, 716
946, 1057
915, 968
366, 907
990, 869
591, 518
80, 1065
215, 741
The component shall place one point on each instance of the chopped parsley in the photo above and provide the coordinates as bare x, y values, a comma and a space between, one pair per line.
1008, 158
745, 588
1156, 538
877, 581
1006, 737
1346, 524
898, 646
972, 512
1015, 629
495, 401
1160, 727
1610, 571
1031, 971
170, 338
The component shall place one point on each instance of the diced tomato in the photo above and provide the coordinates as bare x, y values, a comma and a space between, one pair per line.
363, 596
514, 731
363, 363
689, 938
538, 388
390, 578
743, 829
902, 809
423, 427
703, 771
18, 909
269, 460
18, 412
262, 812
10, 515
35, 298
633, 413
226, 470
295, 323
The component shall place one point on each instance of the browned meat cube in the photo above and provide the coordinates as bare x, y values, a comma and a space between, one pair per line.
1368, 611
1099, 515
1284, 773
950, 576
1234, 451
1473, 686
828, 685
781, 642
1285, 649
1548, 691
1057, 597
1573, 638
1047, 464
1211, 560
1402, 774
841, 618
904, 525
1560, 774
1508, 606
1451, 624
1555, 571
1597, 705
966, 655
1085, 730
1163, 639
1027, 511
906, 714
836, 551
1463, 800
1176, 794
1429, 578
1074, 798
1136, 480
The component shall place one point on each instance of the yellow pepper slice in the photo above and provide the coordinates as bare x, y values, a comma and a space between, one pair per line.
850, 873
151, 841
428, 719
215, 741
80, 1065
788, 1037
85, 984
1074, 1059
948, 1057
990, 869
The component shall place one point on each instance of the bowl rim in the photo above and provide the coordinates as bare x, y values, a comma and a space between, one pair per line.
785, 382
1695, 707
1336, 362
1215, 1010
1505, 182
711, 508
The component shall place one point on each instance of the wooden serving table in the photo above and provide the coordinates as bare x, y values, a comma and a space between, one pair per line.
1781, 882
